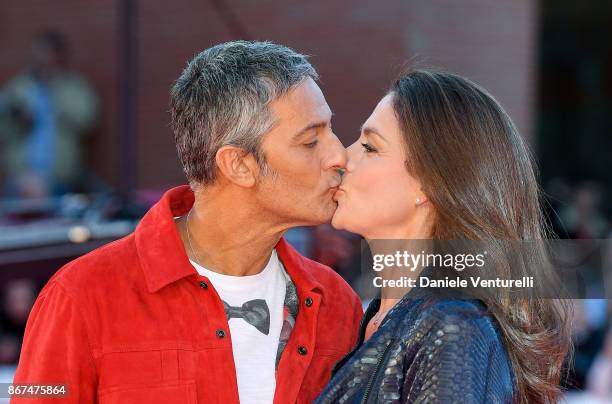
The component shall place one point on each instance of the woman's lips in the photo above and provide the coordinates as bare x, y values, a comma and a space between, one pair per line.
338, 193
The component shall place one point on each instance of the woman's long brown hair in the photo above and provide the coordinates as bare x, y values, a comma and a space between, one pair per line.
480, 177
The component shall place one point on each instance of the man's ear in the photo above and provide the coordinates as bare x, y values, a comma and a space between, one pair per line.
237, 165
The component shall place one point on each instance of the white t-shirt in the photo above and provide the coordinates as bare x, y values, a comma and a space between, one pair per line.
254, 350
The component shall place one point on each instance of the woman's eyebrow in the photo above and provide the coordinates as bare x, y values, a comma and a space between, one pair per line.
368, 131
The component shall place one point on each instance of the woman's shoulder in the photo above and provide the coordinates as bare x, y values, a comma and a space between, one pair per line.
450, 320
463, 338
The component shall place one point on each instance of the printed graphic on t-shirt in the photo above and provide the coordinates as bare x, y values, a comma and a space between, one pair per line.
254, 312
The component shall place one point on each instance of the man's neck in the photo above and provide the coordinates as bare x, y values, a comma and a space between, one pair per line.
226, 235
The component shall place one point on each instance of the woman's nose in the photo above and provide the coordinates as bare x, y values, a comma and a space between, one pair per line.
352, 155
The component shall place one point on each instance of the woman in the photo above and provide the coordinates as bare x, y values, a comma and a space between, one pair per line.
439, 159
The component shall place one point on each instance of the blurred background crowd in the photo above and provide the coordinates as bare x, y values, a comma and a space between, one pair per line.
86, 147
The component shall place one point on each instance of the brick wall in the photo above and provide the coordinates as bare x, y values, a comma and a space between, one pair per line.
358, 46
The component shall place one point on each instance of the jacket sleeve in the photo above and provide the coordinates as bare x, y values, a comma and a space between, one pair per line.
56, 348
357, 315
460, 360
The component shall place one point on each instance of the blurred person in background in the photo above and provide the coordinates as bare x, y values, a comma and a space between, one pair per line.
589, 329
18, 296
597, 377
338, 250
599, 380
583, 218
45, 112
342, 251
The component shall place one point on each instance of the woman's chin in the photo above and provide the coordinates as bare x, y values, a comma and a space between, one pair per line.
341, 221
336, 221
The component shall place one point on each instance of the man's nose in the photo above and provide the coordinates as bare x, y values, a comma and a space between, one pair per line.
337, 156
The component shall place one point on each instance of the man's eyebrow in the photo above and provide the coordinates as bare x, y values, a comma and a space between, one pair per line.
313, 125
367, 130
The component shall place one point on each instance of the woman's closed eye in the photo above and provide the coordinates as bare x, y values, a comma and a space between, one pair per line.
368, 148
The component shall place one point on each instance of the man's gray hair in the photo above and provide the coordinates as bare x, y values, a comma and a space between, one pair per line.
222, 98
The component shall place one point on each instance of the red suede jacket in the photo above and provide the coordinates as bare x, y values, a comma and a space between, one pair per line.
133, 322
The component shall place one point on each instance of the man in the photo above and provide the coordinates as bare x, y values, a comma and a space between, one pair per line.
205, 302
45, 114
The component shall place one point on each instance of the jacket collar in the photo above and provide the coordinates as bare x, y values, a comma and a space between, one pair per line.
163, 257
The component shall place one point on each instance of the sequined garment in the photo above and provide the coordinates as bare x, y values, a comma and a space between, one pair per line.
426, 350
